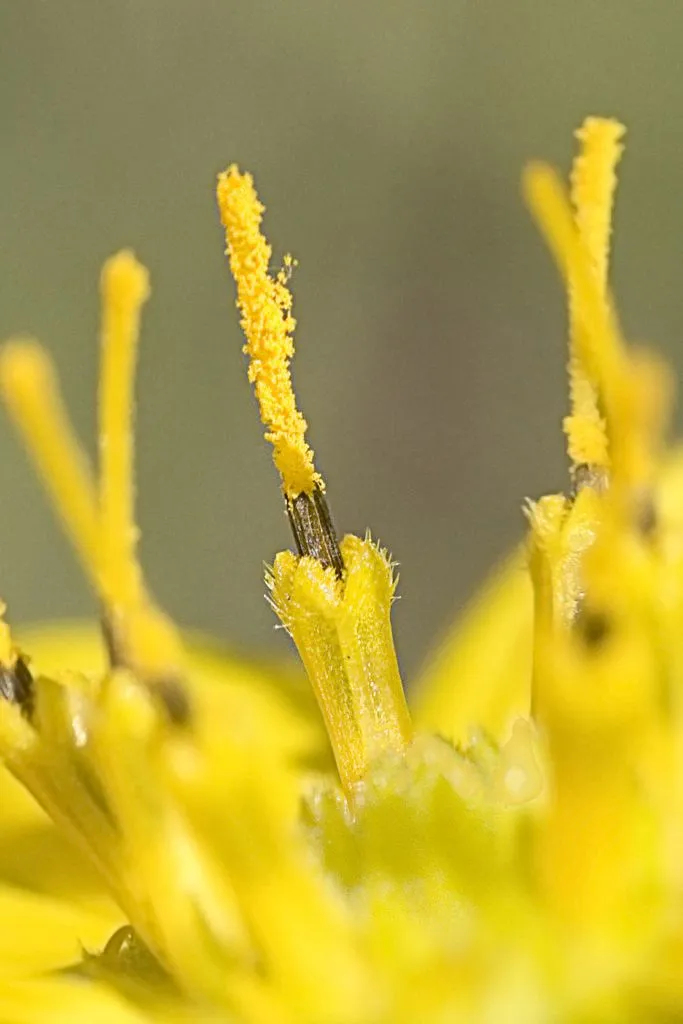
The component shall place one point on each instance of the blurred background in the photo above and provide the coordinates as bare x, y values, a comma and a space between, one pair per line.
387, 140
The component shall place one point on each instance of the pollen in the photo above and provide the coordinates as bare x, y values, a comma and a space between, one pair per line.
593, 185
265, 302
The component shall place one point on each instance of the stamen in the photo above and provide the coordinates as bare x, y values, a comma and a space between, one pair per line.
313, 530
593, 184
16, 680
125, 287
265, 303
16, 685
30, 392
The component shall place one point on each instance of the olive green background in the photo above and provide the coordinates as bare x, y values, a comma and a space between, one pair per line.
387, 140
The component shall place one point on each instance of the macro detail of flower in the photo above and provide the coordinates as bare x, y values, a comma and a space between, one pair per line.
186, 835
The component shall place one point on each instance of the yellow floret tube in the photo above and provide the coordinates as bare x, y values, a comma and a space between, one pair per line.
342, 631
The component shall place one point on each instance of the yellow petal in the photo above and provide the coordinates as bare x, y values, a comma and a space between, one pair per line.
36, 857
63, 1001
41, 933
481, 673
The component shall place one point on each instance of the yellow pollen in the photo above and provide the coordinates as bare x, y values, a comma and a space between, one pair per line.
265, 303
593, 184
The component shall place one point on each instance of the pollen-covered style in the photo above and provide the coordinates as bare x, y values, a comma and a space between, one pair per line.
266, 306
510, 852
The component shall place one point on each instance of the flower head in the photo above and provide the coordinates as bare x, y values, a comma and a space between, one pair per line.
511, 851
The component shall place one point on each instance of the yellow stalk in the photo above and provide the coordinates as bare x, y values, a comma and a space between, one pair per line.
125, 287
30, 392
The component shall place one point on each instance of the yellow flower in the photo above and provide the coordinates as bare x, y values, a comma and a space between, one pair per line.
510, 850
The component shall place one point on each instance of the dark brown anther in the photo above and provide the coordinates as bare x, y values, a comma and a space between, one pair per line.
175, 701
645, 512
16, 685
593, 627
111, 646
314, 533
585, 475
168, 691
125, 956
